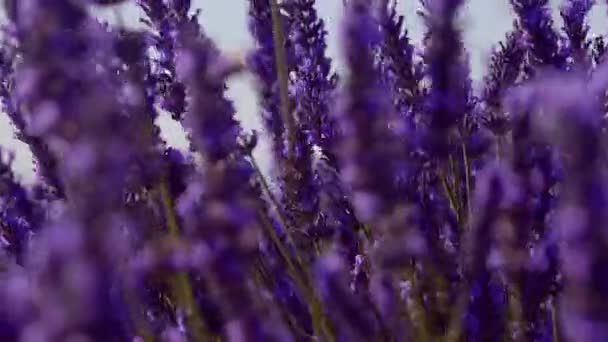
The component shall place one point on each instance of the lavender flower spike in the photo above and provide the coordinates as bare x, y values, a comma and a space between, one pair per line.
313, 82
364, 115
220, 207
448, 97
67, 89
370, 136
496, 193
167, 18
504, 70
574, 13
264, 65
581, 218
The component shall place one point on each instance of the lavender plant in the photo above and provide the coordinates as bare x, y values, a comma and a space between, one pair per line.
403, 205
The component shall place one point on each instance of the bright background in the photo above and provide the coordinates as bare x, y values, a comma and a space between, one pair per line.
484, 21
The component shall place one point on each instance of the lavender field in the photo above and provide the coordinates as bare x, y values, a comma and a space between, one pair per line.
397, 201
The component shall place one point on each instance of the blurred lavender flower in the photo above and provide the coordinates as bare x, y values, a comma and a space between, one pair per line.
370, 135
448, 97
226, 223
77, 265
216, 135
542, 52
137, 101
536, 163
575, 129
495, 194
365, 118
373, 232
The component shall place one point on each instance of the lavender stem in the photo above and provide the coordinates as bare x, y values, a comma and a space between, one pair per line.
281, 64
180, 284
316, 311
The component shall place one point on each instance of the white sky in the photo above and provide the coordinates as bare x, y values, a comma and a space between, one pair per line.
485, 23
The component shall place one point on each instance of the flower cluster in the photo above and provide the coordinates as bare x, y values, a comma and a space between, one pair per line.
404, 206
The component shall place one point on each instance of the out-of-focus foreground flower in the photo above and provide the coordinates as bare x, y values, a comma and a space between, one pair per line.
402, 205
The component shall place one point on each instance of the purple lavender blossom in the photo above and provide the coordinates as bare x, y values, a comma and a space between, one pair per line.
536, 162
77, 265
370, 136
215, 136
495, 194
136, 96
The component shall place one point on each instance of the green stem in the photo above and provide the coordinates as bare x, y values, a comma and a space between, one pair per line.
499, 148
141, 326
275, 202
180, 283
282, 72
367, 231
554, 320
302, 282
417, 314
467, 179
455, 326
456, 192
515, 313
264, 280
449, 193
270, 232
454, 332
319, 326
